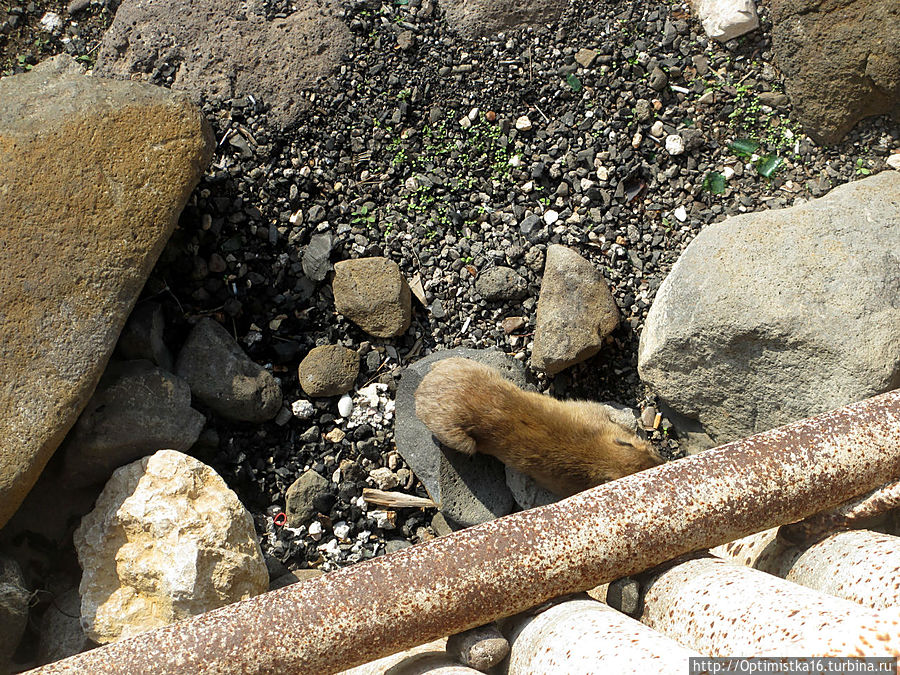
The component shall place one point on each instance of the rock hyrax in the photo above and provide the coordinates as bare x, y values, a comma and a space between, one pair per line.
566, 446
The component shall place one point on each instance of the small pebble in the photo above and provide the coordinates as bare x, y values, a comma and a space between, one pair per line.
674, 144
341, 530
345, 406
51, 22
384, 478
283, 417
303, 409
657, 129
385, 520
523, 123
513, 323
681, 214
335, 436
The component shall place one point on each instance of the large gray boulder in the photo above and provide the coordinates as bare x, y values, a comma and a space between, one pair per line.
226, 48
840, 59
774, 316
93, 176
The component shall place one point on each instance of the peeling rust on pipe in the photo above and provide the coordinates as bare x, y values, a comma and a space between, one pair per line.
497, 569
859, 565
723, 609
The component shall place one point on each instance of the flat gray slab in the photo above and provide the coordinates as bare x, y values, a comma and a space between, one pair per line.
468, 490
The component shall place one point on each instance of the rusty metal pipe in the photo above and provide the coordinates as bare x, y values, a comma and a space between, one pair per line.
724, 609
858, 565
497, 569
849, 515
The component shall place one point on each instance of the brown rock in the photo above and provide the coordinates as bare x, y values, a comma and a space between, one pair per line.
585, 57
93, 176
374, 295
841, 61
575, 311
328, 370
513, 323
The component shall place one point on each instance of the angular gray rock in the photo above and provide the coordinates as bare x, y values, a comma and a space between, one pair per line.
467, 490
576, 310
316, 264
136, 410
500, 284
14, 599
94, 174
142, 337
840, 59
374, 295
246, 53
473, 18
223, 377
328, 370
301, 495
775, 316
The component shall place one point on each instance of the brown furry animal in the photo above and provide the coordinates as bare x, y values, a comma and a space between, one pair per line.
566, 446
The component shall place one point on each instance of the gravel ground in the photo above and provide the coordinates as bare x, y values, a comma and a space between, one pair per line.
416, 150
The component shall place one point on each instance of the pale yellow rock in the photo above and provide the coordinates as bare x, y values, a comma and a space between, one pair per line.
167, 540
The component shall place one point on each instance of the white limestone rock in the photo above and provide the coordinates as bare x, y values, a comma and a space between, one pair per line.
724, 20
166, 540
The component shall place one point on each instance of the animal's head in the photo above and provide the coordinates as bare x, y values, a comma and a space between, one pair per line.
626, 452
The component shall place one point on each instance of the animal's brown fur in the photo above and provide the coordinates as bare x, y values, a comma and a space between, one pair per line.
566, 446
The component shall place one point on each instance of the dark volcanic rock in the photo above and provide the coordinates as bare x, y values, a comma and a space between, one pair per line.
483, 17
224, 378
841, 61
245, 53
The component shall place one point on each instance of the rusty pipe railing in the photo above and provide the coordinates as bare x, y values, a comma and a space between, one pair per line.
497, 569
